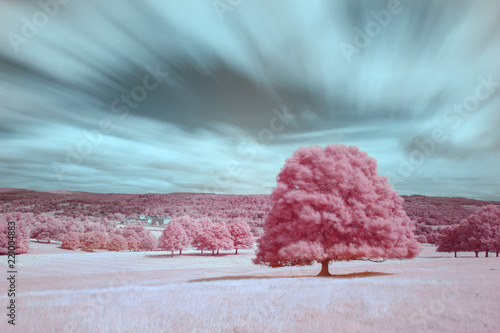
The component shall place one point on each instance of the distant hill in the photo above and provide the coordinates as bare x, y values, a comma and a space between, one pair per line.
218, 207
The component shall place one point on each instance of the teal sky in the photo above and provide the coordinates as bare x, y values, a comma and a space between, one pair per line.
213, 96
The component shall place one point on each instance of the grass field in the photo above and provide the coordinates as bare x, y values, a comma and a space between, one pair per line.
76, 291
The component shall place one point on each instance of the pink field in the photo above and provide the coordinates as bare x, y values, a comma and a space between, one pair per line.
76, 291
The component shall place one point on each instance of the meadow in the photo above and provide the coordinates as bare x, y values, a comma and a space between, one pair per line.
77, 291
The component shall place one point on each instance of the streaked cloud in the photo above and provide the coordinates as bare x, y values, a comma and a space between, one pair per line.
209, 124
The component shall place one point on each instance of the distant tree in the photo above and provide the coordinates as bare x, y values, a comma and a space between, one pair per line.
204, 240
89, 241
102, 240
40, 232
75, 226
117, 243
173, 238
421, 239
20, 229
331, 204
257, 232
450, 240
71, 241
48, 229
110, 225
129, 231
144, 237
94, 227
241, 235
434, 238
191, 226
132, 244
496, 245
120, 217
479, 230
148, 242
221, 237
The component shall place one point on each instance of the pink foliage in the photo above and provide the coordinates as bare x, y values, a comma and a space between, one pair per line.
190, 226
148, 242
449, 240
144, 237
331, 204
48, 228
212, 236
221, 237
117, 243
434, 238
241, 235
93, 240
204, 239
74, 226
94, 227
173, 238
101, 240
477, 233
21, 229
132, 243
71, 241
421, 239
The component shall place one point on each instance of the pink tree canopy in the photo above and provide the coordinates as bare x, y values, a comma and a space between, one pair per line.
173, 238
132, 243
148, 242
21, 230
450, 240
47, 229
479, 231
221, 237
331, 204
204, 239
117, 243
90, 241
241, 235
71, 241
190, 226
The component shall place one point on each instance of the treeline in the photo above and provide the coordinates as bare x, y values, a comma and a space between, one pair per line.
479, 232
93, 234
88, 233
205, 235
219, 208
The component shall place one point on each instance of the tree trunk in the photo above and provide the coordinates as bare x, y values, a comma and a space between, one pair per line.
324, 268
487, 253
237, 252
497, 254
172, 254
213, 252
180, 252
477, 253
217, 251
455, 254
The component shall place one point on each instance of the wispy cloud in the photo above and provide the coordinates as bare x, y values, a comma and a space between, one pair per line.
225, 78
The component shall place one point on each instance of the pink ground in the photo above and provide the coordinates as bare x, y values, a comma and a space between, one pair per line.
76, 291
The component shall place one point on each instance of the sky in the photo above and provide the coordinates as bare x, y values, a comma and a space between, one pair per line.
214, 96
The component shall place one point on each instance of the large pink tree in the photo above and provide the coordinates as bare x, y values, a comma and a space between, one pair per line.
330, 204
